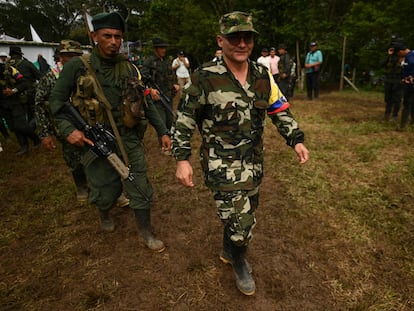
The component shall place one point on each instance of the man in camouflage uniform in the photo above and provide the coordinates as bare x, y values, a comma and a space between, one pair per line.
31, 73
228, 102
157, 72
119, 79
45, 125
12, 86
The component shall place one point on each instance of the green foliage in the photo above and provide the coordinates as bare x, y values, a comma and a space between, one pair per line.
192, 25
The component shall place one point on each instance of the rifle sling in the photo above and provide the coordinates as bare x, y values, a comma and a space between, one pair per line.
101, 97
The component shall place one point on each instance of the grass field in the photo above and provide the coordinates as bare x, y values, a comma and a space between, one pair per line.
334, 234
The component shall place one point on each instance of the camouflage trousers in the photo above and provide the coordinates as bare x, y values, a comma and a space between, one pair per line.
236, 210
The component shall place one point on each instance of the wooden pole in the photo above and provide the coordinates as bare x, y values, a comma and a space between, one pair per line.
298, 66
85, 17
341, 81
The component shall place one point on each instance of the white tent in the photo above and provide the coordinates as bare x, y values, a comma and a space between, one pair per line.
31, 50
4, 37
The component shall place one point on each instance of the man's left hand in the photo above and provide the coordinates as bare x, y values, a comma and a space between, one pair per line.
166, 143
302, 153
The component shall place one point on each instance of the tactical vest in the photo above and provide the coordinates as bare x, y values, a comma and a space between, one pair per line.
87, 94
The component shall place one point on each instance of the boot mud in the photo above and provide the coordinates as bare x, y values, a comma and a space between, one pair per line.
244, 280
107, 223
154, 244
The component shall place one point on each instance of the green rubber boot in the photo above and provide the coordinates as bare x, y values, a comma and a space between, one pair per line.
143, 218
226, 255
107, 223
244, 280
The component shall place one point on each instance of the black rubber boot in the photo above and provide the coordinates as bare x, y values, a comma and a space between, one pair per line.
24, 145
143, 218
82, 191
107, 223
244, 280
226, 255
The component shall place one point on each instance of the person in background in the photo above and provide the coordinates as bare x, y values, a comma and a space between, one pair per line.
293, 77
181, 67
159, 76
30, 72
274, 64
264, 58
45, 124
313, 63
218, 56
393, 88
408, 82
284, 69
228, 102
12, 87
3, 57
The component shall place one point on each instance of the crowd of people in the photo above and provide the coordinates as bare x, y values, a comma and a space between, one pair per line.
98, 106
283, 69
399, 83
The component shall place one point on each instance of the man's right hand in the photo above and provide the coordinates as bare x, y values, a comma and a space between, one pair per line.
155, 95
78, 138
48, 143
184, 173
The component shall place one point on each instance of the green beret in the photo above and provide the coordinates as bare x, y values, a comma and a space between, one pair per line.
235, 22
111, 20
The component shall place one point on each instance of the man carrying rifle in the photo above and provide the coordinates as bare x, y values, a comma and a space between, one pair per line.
157, 73
107, 92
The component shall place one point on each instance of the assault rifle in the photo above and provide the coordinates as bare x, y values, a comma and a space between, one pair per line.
103, 143
163, 98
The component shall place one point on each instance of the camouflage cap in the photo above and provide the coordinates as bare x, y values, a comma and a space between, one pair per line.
70, 46
235, 22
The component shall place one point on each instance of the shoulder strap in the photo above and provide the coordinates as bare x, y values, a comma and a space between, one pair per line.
101, 97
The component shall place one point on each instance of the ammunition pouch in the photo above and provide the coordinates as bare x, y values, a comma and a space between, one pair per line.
85, 100
132, 111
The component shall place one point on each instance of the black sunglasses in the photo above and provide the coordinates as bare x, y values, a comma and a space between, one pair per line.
235, 38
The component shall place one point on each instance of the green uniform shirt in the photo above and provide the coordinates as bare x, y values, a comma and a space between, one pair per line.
106, 74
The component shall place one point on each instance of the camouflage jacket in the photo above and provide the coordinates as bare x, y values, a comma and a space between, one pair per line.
44, 122
231, 120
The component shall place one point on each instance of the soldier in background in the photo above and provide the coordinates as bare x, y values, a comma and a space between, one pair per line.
284, 69
45, 126
228, 102
30, 72
407, 56
12, 87
157, 73
393, 88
